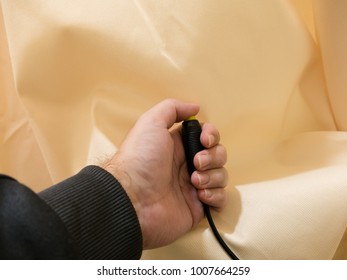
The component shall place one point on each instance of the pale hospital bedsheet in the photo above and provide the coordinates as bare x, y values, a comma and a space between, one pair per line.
271, 75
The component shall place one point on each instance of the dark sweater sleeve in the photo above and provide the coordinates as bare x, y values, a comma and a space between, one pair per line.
98, 215
29, 228
88, 216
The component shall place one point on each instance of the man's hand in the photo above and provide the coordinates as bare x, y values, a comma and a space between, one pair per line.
152, 169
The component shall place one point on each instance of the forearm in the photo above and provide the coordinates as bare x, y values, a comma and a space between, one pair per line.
88, 216
30, 229
98, 214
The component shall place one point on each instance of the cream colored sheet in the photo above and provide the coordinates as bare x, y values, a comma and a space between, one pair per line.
75, 75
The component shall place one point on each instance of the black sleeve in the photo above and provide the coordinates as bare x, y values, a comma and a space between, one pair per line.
29, 228
88, 216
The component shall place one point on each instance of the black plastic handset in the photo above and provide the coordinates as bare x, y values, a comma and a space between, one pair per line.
191, 131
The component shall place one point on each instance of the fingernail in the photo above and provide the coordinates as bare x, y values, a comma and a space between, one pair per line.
208, 193
211, 140
203, 179
204, 160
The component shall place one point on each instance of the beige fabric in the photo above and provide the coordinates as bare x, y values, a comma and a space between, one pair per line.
75, 75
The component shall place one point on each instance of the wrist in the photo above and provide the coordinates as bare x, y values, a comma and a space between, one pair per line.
117, 169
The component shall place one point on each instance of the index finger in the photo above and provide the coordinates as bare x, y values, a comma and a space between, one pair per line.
210, 136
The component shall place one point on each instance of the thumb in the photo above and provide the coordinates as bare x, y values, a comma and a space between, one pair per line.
170, 111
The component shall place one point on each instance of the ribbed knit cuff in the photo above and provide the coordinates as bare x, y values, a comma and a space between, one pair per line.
98, 214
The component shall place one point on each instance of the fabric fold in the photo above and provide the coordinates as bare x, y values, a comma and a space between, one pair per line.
267, 74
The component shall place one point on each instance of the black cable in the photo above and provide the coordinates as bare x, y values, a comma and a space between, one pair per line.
191, 131
217, 235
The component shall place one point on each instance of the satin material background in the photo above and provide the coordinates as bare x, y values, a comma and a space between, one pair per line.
75, 75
